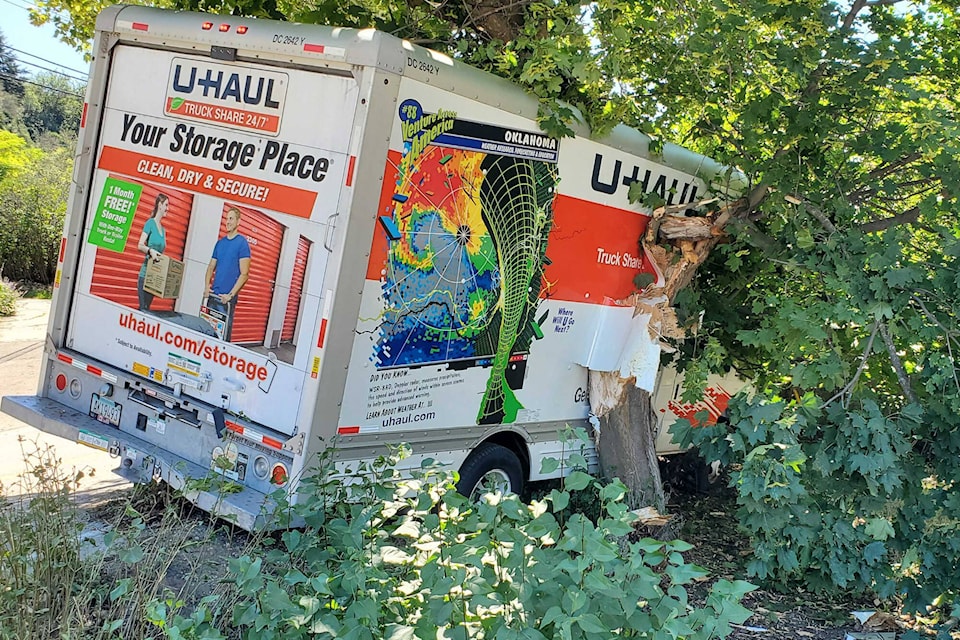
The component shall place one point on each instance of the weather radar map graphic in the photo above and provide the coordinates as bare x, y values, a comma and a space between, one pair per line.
467, 230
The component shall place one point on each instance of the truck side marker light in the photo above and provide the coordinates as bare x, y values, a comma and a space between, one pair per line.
256, 436
140, 26
224, 28
350, 166
323, 333
89, 368
83, 119
241, 30
348, 431
323, 319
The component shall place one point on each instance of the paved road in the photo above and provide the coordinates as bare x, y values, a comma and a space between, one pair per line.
21, 350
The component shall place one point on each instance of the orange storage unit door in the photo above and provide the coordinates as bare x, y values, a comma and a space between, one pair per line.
296, 290
115, 273
265, 236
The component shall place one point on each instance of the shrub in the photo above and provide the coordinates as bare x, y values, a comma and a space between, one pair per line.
33, 202
377, 557
381, 557
59, 579
8, 299
844, 498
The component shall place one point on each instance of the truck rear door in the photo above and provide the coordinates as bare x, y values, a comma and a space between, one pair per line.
201, 138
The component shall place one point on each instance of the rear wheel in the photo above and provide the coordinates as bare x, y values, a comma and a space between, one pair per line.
490, 468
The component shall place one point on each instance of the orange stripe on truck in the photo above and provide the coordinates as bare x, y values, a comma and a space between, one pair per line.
241, 189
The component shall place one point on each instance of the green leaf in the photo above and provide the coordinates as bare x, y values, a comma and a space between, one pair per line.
577, 481
399, 632
552, 615
685, 573
879, 529
874, 552
591, 624
560, 500
549, 465
122, 589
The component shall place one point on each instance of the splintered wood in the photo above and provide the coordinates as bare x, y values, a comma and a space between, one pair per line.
650, 517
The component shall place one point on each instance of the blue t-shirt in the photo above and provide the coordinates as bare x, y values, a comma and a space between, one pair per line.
228, 254
156, 240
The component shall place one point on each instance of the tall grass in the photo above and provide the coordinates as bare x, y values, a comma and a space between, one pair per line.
150, 558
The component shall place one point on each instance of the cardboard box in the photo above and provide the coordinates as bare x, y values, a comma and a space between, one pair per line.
163, 277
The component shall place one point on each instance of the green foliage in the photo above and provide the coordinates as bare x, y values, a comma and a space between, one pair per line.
51, 109
381, 557
378, 557
63, 578
830, 497
8, 298
33, 201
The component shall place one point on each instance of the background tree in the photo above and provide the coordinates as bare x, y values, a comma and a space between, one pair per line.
11, 89
832, 282
33, 201
11, 74
39, 118
51, 106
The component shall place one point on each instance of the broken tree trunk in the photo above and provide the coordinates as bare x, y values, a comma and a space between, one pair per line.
678, 244
628, 439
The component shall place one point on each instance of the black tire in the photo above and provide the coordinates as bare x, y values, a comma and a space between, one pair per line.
490, 466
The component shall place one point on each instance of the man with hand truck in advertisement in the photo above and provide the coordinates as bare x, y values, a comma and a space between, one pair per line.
230, 269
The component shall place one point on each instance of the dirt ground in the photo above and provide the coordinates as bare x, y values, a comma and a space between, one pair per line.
21, 350
708, 522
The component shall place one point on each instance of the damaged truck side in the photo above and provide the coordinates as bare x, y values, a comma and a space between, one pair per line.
284, 237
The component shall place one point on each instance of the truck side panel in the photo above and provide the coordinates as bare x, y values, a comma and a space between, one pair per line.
497, 256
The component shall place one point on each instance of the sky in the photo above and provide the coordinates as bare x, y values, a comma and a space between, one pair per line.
29, 42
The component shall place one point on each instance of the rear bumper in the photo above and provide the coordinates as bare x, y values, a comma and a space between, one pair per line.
141, 461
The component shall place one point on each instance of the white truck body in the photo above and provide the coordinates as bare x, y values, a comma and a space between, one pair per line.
427, 266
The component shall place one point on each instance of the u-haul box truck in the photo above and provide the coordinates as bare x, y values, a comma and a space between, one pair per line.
371, 243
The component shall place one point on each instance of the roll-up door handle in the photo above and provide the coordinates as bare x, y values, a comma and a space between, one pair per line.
331, 227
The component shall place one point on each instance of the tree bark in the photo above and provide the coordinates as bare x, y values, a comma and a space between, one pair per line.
627, 445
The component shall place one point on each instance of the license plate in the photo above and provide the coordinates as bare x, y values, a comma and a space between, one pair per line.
105, 410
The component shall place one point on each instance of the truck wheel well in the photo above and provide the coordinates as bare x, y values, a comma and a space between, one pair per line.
516, 443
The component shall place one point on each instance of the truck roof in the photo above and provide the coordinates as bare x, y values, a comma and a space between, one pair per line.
338, 48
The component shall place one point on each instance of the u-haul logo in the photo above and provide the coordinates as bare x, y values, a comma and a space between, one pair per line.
236, 97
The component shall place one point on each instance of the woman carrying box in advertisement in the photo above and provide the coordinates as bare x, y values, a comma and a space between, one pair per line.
153, 241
